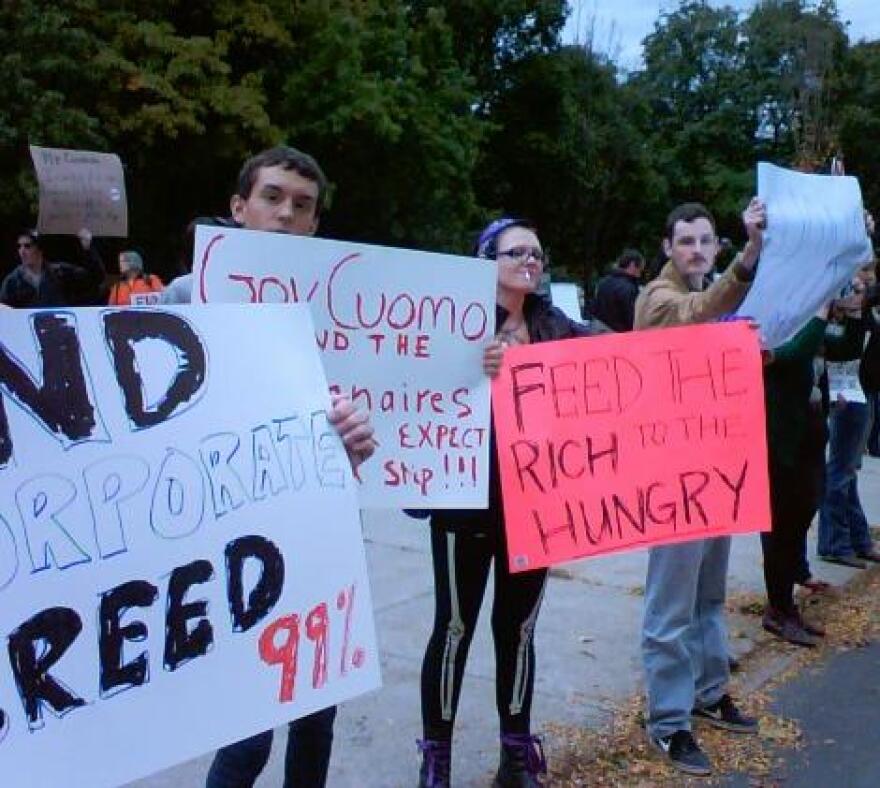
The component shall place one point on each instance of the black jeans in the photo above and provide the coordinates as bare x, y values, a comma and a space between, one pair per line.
793, 504
306, 761
461, 572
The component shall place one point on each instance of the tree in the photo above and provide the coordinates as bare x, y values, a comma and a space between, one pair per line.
701, 124
566, 154
491, 36
794, 52
119, 76
858, 119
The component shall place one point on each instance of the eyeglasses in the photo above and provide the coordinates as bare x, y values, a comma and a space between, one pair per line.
523, 253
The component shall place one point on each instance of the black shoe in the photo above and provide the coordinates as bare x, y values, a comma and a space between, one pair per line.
522, 760
684, 753
725, 715
436, 763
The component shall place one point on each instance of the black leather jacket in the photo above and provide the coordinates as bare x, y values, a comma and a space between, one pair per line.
62, 284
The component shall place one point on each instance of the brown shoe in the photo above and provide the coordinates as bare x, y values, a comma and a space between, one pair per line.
788, 628
810, 627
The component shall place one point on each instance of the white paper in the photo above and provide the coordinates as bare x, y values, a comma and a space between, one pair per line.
843, 381
565, 297
107, 499
401, 332
814, 241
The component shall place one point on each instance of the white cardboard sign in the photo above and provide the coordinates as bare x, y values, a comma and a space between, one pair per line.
80, 189
843, 381
815, 240
401, 332
181, 562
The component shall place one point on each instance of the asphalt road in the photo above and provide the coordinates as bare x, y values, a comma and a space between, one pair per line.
838, 705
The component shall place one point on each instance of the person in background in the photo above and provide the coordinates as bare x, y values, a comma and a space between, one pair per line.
844, 535
796, 436
869, 370
617, 292
135, 286
35, 282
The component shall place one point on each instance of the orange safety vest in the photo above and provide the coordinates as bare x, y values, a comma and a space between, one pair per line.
121, 293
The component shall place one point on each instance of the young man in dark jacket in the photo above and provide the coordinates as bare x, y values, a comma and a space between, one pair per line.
37, 283
616, 294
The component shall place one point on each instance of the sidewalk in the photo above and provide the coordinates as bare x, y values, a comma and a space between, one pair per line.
587, 644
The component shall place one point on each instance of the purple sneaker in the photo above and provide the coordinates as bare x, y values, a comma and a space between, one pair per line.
522, 761
436, 763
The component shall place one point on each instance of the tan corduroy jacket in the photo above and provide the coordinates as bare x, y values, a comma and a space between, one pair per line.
667, 301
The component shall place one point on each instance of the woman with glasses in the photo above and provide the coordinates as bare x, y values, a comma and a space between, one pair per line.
464, 544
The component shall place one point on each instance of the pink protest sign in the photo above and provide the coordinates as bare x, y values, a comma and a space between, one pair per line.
631, 440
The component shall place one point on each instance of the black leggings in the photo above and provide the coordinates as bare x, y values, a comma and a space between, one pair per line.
461, 571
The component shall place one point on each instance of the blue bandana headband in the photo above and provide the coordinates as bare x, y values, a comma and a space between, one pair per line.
493, 230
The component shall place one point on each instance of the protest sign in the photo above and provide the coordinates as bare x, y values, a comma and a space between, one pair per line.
181, 563
630, 440
814, 241
402, 333
80, 189
843, 381
144, 299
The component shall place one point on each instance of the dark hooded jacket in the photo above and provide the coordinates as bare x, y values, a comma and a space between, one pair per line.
62, 284
616, 300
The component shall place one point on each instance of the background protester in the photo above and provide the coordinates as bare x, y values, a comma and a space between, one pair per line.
35, 282
133, 280
616, 293
464, 544
684, 636
869, 370
796, 436
844, 535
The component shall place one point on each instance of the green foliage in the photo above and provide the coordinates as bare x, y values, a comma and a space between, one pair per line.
859, 120
793, 56
566, 153
429, 117
701, 123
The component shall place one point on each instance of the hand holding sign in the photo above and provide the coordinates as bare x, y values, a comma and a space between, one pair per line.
175, 509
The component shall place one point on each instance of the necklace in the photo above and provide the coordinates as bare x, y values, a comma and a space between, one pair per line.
515, 334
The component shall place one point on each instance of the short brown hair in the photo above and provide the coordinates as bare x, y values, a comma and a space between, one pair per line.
289, 159
687, 212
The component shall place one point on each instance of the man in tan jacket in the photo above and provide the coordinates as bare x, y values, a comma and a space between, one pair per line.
684, 637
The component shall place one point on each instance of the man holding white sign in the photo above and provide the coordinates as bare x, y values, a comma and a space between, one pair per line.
283, 190
402, 332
